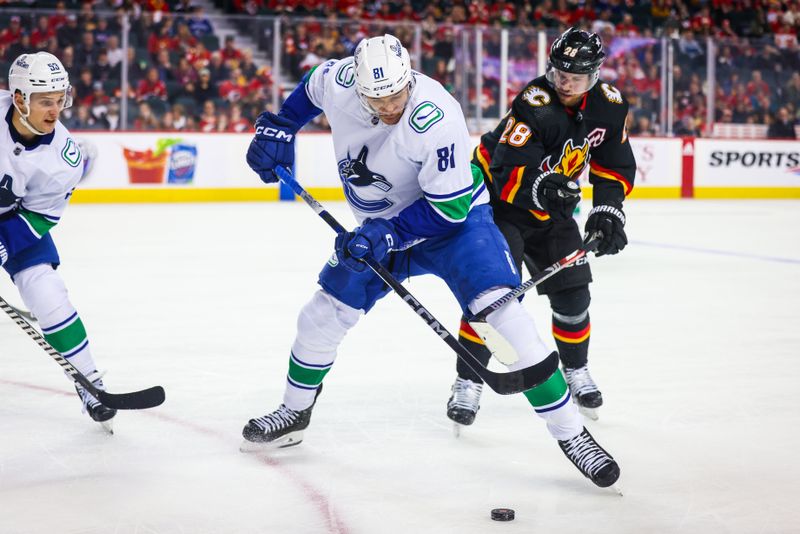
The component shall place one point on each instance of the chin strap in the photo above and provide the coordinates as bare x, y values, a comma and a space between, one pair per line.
23, 118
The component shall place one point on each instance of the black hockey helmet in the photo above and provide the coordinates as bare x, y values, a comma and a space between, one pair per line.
577, 52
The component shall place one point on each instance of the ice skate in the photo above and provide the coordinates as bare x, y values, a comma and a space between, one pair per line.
277, 430
591, 459
99, 413
585, 392
464, 403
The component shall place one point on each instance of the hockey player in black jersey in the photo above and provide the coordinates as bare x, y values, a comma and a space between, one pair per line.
560, 124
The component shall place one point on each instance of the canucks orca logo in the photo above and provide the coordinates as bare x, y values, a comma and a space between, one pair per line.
356, 175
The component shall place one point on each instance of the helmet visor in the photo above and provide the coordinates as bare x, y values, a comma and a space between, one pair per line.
569, 83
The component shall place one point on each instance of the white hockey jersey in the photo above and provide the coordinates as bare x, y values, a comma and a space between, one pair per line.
35, 182
385, 168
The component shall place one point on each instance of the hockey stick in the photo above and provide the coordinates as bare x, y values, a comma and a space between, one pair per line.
589, 246
24, 313
137, 400
502, 383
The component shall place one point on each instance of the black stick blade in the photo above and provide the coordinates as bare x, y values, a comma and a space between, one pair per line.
137, 400
522, 379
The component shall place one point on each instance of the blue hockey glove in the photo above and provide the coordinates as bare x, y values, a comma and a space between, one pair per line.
376, 237
272, 145
610, 221
556, 194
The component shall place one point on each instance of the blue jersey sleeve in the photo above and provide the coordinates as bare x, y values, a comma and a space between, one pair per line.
419, 221
298, 107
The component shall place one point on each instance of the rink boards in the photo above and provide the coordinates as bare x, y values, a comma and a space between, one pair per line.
190, 167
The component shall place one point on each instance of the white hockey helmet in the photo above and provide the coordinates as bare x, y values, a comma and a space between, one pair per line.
382, 68
41, 72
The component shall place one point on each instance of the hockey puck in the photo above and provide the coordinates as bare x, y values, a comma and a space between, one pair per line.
503, 514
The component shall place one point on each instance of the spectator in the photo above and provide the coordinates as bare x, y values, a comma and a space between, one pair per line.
199, 25
204, 90
102, 69
69, 34
162, 39
82, 119
151, 87
83, 89
113, 50
42, 33
102, 32
184, 73
12, 33
164, 66
237, 122
208, 119
217, 68
179, 118
21, 46
782, 125
791, 92
249, 69
86, 53
185, 41
146, 120
229, 51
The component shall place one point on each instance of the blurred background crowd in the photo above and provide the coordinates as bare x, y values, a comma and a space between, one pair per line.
213, 65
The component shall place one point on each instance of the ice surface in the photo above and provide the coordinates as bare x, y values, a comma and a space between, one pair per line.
695, 341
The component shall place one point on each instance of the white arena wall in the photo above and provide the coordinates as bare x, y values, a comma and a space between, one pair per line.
178, 167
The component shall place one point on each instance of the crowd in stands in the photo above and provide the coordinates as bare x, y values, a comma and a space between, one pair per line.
183, 78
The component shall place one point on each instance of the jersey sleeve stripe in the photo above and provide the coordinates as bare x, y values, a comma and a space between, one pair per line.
483, 157
514, 182
541, 215
608, 174
454, 210
437, 198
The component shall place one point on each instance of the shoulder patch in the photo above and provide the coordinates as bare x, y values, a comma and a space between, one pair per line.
611, 93
536, 96
424, 116
71, 153
346, 75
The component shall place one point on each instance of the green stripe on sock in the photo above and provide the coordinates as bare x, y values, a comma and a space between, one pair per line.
549, 392
306, 376
67, 338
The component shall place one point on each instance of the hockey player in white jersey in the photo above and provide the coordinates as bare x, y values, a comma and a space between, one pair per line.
40, 165
403, 154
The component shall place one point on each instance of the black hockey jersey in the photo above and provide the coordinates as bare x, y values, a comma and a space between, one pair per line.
540, 134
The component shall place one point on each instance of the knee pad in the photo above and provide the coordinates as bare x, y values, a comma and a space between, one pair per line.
323, 323
44, 293
571, 306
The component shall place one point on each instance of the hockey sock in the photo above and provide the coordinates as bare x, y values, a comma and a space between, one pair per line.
572, 338
45, 294
518, 328
551, 401
472, 341
321, 326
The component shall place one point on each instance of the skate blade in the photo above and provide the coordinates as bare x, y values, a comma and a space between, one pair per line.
289, 440
457, 429
108, 426
617, 489
590, 413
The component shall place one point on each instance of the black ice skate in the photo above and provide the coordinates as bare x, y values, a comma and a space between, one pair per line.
98, 412
277, 430
590, 458
464, 403
585, 392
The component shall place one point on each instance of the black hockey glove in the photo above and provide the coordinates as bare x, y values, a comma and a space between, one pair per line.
556, 194
609, 221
